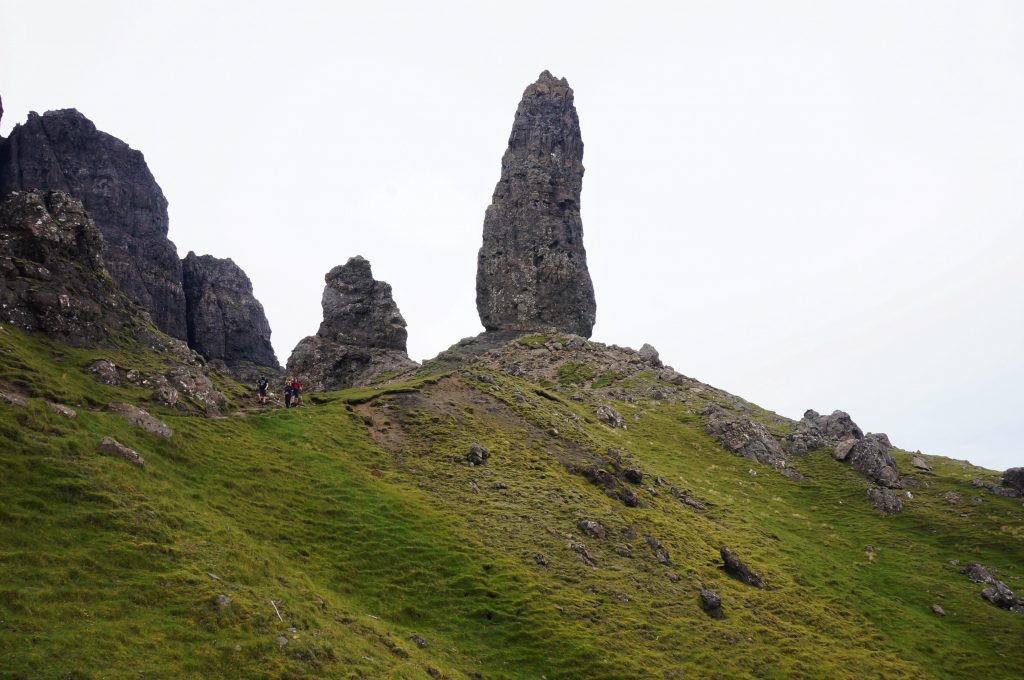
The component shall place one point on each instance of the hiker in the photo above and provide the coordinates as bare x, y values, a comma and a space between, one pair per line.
288, 393
297, 392
261, 389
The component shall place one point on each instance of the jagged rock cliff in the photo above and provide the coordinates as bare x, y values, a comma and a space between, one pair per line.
226, 324
362, 335
532, 267
63, 150
51, 271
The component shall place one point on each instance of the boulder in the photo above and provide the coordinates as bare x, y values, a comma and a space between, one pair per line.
63, 151
885, 501
920, 463
224, 321
111, 446
140, 418
815, 431
591, 528
649, 356
362, 335
735, 567
870, 456
1014, 479
609, 416
711, 603
477, 454
744, 437
660, 551
532, 267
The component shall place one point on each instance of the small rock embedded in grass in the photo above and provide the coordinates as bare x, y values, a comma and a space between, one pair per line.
633, 475
222, 601
477, 454
474, 487
540, 559
938, 611
736, 568
111, 446
591, 528
418, 641
711, 603
660, 551
141, 418
63, 410
581, 551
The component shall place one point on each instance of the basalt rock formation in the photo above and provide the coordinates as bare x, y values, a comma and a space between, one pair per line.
361, 337
532, 267
226, 324
63, 150
51, 271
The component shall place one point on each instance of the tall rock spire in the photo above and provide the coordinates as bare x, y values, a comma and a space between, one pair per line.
532, 267
361, 338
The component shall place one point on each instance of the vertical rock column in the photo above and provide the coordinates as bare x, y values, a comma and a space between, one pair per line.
532, 267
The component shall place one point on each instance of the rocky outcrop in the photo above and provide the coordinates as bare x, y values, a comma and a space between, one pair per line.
52, 277
736, 568
744, 437
361, 337
885, 501
63, 150
995, 591
870, 456
1013, 478
815, 431
532, 267
226, 324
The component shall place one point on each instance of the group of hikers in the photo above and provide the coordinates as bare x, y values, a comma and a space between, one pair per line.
292, 391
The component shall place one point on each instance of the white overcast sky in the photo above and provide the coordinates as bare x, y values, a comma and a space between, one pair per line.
809, 204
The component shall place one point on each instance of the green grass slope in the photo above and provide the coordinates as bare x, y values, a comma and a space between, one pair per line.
316, 542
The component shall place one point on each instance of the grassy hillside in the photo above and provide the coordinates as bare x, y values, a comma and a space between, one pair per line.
327, 541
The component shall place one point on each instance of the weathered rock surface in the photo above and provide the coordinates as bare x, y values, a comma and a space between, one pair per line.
815, 431
736, 568
112, 447
52, 277
591, 528
141, 418
225, 322
996, 592
885, 501
362, 335
532, 267
1014, 479
870, 456
711, 602
744, 437
477, 454
63, 150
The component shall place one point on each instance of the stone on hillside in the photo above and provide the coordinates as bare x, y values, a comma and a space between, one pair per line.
63, 410
671, 376
882, 437
711, 603
362, 335
581, 551
735, 567
105, 372
633, 475
660, 551
842, 450
591, 528
815, 431
1014, 479
609, 416
140, 418
744, 437
532, 266
885, 501
920, 463
224, 321
112, 447
63, 151
195, 384
938, 611
52, 277
477, 454
952, 497
977, 573
13, 399
871, 458
650, 356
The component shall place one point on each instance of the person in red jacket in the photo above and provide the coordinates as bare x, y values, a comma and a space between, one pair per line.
296, 393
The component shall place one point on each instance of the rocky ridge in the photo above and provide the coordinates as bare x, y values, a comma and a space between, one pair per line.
532, 266
362, 335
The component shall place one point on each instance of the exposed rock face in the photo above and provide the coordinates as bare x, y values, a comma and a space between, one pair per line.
870, 456
226, 324
532, 267
815, 431
362, 335
736, 568
744, 437
1014, 478
51, 271
996, 592
885, 501
63, 150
